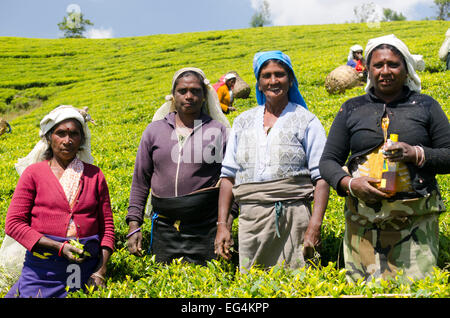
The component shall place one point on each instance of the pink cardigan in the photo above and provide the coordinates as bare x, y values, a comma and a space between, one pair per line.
39, 206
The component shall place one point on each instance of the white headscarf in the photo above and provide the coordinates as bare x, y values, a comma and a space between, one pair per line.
353, 49
445, 47
211, 106
229, 76
413, 62
56, 116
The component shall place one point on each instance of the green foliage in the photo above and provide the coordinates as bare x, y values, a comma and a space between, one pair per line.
220, 280
124, 81
74, 25
262, 16
391, 15
443, 9
77, 244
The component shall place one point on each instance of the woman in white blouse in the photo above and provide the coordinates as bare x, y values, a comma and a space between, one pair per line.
271, 168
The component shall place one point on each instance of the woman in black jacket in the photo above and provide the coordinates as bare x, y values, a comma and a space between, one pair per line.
386, 232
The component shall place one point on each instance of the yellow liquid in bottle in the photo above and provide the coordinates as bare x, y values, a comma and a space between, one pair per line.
389, 175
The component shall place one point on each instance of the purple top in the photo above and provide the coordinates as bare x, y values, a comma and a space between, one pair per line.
171, 170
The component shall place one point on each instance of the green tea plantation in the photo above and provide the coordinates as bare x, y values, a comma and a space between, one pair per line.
123, 81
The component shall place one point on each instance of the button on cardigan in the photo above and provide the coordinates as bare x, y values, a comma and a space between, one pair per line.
39, 207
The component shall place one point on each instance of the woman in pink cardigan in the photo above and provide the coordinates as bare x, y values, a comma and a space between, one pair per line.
61, 198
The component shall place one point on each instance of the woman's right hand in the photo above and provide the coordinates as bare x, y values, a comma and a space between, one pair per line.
72, 253
364, 188
66, 250
134, 242
223, 241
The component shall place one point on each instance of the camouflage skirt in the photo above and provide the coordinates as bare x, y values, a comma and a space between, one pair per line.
384, 238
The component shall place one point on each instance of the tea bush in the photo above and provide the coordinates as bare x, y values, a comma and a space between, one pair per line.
123, 81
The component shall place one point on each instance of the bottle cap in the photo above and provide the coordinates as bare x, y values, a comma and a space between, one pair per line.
393, 137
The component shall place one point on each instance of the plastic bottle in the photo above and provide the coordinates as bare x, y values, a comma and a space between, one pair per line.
389, 174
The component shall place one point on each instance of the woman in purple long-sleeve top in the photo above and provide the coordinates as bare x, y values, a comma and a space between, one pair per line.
179, 158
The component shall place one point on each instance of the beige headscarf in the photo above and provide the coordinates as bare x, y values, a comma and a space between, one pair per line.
413, 62
56, 116
210, 107
445, 47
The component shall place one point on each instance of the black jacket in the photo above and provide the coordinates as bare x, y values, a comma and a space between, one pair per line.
417, 118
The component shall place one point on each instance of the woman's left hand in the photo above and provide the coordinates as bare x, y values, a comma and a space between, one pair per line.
97, 280
400, 152
312, 240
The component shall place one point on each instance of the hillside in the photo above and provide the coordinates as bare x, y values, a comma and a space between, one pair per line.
123, 81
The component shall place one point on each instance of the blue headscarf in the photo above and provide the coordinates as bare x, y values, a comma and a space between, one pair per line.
293, 93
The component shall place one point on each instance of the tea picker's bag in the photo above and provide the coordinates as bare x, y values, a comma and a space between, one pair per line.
4, 126
340, 79
12, 255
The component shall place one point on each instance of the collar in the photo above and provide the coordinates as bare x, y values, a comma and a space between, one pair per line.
170, 119
406, 93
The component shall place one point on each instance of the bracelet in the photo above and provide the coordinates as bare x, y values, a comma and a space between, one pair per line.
417, 155
350, 187
421, 161
98, 275
135, 231
217, 223
61, 248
